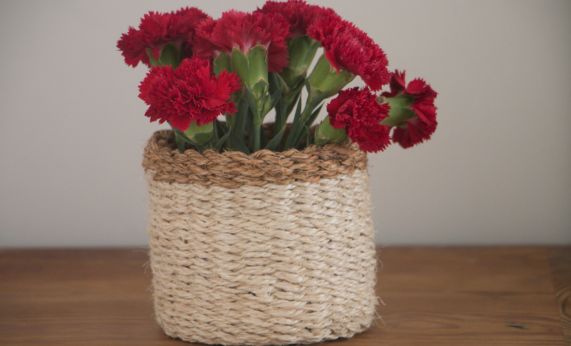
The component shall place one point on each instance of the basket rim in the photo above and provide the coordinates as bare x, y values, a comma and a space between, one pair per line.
165, 163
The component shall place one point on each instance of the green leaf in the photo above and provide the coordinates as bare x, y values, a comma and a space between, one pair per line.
297, 111
277, 83
237, 128
278, 88
313, 116
288, 97
297, 126
223, 126
230, 120
280, 127
275, 142
222, 132
183, 142
302, 122
273, 100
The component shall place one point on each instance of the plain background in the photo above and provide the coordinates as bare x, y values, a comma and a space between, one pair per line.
498, 170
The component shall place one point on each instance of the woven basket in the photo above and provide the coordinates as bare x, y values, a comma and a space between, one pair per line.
260, 249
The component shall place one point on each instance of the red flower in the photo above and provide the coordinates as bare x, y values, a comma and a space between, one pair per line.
188, 93
349, 48
298, 14
133, 47
157, 29
243, 30
359, 113
185, 23
421, 96
203, 46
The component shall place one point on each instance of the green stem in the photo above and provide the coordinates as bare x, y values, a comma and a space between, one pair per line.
183, 142
237, 128
298, 127
257, 137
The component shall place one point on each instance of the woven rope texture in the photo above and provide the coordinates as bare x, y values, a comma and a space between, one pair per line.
262, 265
234, 168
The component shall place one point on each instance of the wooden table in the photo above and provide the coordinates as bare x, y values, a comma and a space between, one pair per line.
432, 296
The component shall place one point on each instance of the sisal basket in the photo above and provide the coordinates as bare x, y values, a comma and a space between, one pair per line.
261, 249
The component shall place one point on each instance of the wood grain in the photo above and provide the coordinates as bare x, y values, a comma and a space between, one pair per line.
432, 296
561, 272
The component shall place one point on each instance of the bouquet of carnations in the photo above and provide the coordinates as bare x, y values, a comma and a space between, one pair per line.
216, 81
261, 230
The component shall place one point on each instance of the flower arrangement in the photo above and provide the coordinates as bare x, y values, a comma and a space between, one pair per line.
266, 222
216, 80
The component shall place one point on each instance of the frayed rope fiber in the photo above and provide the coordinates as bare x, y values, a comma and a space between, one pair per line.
263, 249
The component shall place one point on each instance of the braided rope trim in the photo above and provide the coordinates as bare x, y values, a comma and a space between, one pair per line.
263, 265
233, 169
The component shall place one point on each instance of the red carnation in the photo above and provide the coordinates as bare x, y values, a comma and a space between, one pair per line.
157, 29
184, 24
349, 48
298, 14
203, 47
133, 47
359, 113
188, 93
420, 98
243, 30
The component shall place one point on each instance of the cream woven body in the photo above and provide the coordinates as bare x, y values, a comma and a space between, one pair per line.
279, 263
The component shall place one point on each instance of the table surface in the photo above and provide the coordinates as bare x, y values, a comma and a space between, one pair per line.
431, 296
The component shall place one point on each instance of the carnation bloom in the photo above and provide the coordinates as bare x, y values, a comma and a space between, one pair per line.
133, 47
349, 48
358, 112
188, 93
419, 98
243, 30
156, 30
298, 14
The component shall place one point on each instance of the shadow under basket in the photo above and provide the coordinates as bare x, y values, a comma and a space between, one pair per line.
262, 249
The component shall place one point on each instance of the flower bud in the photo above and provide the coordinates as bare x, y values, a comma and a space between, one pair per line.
325, 133
167, 55
252, 67
325, 81
400, 110
200, 134
221, 63
301, 50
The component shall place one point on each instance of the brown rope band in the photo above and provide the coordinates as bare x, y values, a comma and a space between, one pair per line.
233, 169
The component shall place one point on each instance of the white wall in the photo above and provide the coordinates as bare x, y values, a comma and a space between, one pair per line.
497, 171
